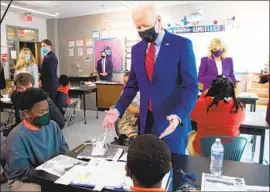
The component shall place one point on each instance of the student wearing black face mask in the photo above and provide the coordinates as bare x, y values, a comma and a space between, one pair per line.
163, 69
35, 140
105, 67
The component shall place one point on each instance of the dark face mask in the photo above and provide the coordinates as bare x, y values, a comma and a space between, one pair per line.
102, 56
149, 35
217, 53
43, 120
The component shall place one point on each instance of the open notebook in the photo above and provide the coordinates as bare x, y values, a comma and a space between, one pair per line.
102, 174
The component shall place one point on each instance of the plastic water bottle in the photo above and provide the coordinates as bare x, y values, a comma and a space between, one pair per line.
217, 153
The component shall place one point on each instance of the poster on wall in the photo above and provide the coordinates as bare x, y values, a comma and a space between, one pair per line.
80, 51
71, 43
89, 42
95, 35
4, 55
79, 43
71, 52
112, 48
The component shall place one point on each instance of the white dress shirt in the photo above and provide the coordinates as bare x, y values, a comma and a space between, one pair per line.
103, 61
219, 67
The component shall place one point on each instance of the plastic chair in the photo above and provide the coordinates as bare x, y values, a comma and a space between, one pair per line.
233, 146
67, 110
117, 131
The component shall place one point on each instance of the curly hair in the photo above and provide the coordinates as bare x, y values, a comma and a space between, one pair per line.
221, 89
148, 159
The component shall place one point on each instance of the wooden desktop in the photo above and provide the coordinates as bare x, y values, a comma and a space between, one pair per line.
108, 94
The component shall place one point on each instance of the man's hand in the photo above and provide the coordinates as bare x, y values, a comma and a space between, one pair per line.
174, 122
252, 77
111, 116
105, 74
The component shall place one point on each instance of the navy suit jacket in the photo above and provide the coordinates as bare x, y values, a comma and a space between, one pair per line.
2, 79
48, 72
108, 67
174, 86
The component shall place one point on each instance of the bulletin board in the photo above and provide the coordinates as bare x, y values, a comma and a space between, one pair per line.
113, 50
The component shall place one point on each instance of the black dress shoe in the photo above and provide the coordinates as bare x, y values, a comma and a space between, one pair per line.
3, 179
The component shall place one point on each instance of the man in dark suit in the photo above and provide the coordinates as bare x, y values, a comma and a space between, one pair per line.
48, 69
2, 78
105, 67
163, 69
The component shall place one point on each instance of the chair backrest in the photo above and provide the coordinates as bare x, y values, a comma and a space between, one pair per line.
117, 127
61, 99
233, 146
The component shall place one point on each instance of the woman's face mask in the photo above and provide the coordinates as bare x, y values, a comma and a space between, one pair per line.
27, 56
217, 53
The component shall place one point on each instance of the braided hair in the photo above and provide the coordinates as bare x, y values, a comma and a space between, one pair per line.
221, 89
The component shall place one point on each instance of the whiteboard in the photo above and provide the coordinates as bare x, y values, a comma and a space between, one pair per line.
248, 53
201, 42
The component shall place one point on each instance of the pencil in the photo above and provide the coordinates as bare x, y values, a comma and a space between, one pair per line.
80, 148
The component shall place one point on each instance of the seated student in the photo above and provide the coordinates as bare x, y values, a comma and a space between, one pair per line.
217, 112
128, 122
148, 161
24, 81
35, 140
64, 87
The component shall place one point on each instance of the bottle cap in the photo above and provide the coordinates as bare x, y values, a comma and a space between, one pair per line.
217, 139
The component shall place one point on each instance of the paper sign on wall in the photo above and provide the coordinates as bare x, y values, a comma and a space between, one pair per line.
104, 34
79, 43
13, 54
200, 29
95, 34
89, 43
71, 44
111, 33
80, 51
89, 51
71, 52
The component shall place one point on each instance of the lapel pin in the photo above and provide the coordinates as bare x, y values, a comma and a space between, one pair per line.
167, 44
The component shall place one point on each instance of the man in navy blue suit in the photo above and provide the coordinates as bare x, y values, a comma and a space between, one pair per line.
105, 67
48, 69
163, 69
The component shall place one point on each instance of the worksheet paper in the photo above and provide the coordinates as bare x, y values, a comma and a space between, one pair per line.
212, 182
256, 188
60, 165
100, 174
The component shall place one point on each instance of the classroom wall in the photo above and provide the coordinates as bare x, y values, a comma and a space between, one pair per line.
52, 34
251, 39
16, 19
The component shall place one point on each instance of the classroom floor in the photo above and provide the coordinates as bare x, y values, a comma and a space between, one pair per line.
79, 132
